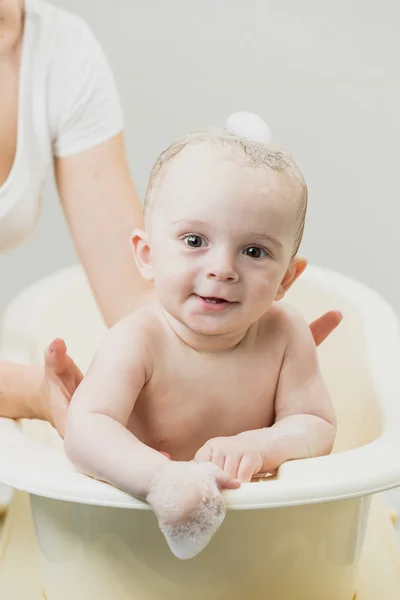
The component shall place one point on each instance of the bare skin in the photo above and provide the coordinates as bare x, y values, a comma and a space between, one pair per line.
92, 185
63, 375
159, 397
11, 28
216, 370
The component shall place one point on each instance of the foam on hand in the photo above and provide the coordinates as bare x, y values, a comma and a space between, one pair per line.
249, 126
188, 505
186, 539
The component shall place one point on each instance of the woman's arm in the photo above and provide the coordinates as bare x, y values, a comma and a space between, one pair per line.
102, 208
21, 391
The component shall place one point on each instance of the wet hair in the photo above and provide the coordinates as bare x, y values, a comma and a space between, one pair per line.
250, 152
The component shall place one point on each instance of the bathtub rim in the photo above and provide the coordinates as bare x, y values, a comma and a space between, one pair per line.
365, 470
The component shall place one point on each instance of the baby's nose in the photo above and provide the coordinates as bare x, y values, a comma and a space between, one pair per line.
222, 269
221, 276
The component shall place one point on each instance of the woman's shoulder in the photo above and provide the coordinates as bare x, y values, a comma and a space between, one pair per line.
53, 17
59, 30
83, 101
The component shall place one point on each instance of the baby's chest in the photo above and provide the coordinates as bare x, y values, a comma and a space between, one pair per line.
215, 395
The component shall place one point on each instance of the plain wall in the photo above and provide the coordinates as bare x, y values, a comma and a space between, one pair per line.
325, 75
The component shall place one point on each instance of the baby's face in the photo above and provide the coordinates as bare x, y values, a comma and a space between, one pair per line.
222, 237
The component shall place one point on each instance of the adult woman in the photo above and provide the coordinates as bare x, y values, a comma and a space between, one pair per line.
58, 103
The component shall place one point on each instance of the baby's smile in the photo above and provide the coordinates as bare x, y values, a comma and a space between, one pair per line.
213, 303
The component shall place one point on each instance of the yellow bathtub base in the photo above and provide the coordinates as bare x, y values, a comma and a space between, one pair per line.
379, 573
19, 561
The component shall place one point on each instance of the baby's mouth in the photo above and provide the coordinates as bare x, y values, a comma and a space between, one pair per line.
214, 300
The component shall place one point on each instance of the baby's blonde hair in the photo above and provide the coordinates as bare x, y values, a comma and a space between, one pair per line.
255, 153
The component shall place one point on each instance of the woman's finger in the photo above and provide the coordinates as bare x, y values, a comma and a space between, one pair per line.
322, 327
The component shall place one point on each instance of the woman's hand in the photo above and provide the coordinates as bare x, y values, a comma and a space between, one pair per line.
323, 326
61, 378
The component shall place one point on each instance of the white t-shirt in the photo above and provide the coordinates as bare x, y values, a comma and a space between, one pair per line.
68, 103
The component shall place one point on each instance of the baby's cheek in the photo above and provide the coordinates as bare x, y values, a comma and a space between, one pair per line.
271, 286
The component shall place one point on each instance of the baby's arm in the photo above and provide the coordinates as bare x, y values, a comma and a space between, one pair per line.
305, 422
96, 438
184, 496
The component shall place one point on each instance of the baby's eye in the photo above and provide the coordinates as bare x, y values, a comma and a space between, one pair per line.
194, 241
255, 252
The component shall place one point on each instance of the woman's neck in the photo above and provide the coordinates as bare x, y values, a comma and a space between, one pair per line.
11, 25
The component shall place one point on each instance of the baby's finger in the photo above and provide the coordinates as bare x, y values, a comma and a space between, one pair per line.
226, 482
246, 469
203, 454
232, 463
218, 458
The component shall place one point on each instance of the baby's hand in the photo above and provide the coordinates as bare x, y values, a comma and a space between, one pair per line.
239, 456
187, 501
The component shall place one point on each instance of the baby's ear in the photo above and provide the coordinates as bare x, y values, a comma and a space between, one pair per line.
295, 269
142, 253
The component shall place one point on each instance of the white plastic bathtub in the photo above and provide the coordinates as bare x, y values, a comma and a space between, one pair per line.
297, 537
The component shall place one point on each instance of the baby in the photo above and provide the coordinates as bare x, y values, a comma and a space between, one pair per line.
215, 381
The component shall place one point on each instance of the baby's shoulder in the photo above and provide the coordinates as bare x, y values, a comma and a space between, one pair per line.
132, 344
144, 323
139, 333
284, 321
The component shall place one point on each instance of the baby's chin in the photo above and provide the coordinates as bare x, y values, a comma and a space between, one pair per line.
213, 325
189, 321
208, 329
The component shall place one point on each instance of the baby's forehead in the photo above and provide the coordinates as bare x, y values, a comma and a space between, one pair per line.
214, 181
202, 164
226, 178
200, 158
221, 193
